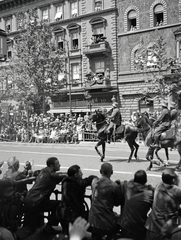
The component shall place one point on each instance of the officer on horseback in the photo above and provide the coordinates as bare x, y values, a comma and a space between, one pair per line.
162, 124
115, 120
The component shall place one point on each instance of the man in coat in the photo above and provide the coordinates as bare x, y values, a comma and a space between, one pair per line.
38, 200
115, 120
161, 124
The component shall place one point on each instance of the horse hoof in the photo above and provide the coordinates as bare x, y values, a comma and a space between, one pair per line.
137, 158
102, 158
148, 169
156, 162
129, 160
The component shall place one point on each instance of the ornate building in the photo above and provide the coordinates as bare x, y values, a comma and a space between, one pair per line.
87, 30
142, 23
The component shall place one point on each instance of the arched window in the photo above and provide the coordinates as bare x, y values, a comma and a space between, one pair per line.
132, 20
59, 37
158, 15
98, 29
74, 31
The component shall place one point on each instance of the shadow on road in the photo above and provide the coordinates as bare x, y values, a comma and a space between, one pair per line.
125, 160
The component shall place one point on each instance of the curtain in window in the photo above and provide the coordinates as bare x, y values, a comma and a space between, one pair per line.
58, 12
74, 8
75, 71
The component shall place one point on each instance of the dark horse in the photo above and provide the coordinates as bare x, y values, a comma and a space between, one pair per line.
170, 138
124, 131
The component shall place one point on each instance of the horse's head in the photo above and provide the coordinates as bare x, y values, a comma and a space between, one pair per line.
142, 121
97, 116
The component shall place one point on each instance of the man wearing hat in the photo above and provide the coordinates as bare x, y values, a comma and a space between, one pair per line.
115, 120
162, 123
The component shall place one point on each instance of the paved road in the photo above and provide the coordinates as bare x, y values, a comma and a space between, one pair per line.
84, 155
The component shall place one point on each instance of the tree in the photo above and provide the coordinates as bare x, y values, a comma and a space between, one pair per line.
36, 62
152, 60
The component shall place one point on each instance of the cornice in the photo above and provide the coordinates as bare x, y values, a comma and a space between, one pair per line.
10, 4
83, 16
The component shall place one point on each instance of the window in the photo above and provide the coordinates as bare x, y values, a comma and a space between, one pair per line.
74, 9
9, 52
59, 12
132, 20
75, 40
158, 15
98, 5
45, 16
8, 25
98, 29
100, 68
60, 42
75, 73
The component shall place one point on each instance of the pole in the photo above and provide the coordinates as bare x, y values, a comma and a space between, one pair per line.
68, 77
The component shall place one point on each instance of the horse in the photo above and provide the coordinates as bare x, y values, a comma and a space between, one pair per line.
123, 131
167, 139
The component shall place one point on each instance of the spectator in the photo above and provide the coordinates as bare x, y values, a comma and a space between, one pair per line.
38, 197
137, 199
105, 195
73, 190
167, 198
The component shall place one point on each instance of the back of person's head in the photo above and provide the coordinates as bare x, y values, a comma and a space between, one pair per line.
73, 170
5, 234
13, 163
140, 177
51, 161
169, 176
106, 169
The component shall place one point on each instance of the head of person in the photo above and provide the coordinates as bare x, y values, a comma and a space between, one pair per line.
170, 177
115, 105
75, 171
13, 163
106, 170
53, 163
5, 234
140, 177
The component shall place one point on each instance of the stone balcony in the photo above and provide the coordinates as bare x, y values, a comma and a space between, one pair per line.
97, 49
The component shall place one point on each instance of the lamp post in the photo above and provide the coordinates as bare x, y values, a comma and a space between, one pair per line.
3, 46
68, 75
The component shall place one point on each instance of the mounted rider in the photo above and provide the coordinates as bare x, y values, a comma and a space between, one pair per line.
161, 124
115, 120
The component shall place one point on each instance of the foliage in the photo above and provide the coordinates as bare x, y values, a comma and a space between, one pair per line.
152, 60
36, 61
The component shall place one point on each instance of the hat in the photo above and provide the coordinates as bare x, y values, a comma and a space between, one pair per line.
164, 104
115, 104
173, 104
13, 162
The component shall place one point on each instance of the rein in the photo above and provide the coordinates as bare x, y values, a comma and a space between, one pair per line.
101, 122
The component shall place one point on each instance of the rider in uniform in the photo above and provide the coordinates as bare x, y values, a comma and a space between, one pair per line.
115, 120
162, 123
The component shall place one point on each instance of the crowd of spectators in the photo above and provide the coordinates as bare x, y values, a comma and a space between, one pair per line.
47, 128
146, 212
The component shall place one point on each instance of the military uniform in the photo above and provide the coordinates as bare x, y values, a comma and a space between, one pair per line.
174, 114
115, 119
163, 123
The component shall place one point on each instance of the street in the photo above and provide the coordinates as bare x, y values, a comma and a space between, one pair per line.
85, 155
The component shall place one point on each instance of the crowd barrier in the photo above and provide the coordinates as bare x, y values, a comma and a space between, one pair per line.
88, 136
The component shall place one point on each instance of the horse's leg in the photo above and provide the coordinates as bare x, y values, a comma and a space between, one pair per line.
102, 155
136, 150
156, 153
179, 151
103, 150
132, 150
149, 157
166, 162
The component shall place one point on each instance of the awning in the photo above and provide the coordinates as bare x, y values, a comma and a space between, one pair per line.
76, 110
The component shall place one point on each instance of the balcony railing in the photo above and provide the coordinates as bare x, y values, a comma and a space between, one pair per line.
97, 49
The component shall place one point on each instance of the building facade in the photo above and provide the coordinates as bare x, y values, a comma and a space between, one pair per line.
87, 31
145, 21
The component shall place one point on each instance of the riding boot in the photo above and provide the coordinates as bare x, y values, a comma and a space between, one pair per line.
157, 139
109, 138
